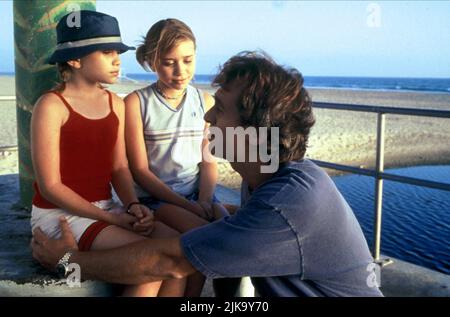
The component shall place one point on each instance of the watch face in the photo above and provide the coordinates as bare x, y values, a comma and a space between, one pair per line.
61, 270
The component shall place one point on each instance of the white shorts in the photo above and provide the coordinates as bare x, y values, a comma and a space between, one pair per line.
48, 220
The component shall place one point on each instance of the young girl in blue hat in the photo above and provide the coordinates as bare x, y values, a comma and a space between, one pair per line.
78, 150
164, 134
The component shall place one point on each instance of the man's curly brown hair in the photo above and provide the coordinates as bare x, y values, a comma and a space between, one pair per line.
272, 96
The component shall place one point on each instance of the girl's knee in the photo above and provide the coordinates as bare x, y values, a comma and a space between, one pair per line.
113, 237
164, 231
164, 209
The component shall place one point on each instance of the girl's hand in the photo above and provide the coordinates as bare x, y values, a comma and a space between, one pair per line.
145, 219
207, 210
219, 211
195, 208
123, 220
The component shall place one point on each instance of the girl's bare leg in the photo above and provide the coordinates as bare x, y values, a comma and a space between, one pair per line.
172, 287
178, 218
183, 220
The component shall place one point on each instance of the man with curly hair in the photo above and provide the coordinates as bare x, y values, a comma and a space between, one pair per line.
294, 234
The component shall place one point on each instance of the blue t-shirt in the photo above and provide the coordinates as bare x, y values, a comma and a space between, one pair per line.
295, 236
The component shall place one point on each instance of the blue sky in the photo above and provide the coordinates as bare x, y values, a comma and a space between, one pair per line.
392, 39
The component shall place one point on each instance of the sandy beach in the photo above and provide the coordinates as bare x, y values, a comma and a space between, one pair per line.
339, 136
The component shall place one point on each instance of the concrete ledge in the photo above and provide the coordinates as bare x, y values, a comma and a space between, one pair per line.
403, 279
20, 275
52, 287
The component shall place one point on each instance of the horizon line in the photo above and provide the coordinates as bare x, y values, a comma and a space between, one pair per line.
326, 76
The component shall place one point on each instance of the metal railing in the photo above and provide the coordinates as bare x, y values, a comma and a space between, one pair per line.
378, 173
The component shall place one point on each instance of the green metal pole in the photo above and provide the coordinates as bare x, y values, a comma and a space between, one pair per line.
34, 41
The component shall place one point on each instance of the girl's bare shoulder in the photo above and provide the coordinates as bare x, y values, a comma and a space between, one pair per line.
118, 104
116, 100
50, 102
131, 97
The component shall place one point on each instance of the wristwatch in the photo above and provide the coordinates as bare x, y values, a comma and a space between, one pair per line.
62, 268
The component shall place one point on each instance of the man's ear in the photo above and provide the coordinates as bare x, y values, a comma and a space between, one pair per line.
75, 63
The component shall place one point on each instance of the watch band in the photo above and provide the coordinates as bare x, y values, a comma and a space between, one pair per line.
65, 259
62, 267
131, 204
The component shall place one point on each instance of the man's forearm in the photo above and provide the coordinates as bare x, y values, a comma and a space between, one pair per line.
137, 263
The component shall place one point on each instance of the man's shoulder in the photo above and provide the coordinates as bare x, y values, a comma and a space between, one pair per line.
295, 181
302, 168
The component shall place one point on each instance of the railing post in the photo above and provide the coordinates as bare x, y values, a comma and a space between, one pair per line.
379, 187
381, 124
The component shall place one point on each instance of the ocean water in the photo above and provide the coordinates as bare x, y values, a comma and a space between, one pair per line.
370, 83
378, 83
415, 220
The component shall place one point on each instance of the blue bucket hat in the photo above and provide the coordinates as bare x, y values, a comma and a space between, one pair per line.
95, 31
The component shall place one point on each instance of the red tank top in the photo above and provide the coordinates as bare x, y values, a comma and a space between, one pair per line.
86, 155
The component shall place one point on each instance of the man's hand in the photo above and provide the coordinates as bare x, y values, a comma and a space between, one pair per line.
49, 251
145, 223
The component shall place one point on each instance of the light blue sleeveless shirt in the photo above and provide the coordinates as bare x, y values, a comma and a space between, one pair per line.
173, 138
